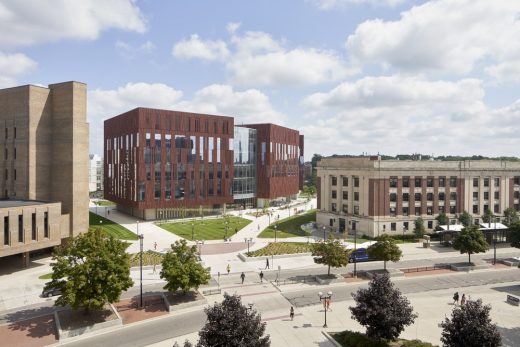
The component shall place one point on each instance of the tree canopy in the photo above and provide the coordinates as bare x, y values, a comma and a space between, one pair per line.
470, 240
382, 309
470, 325
488, 216
91, 270
330, 253
181, 268
442, 219
385, 249
465, 219
514, 234
419, 227
231, 324
510, 216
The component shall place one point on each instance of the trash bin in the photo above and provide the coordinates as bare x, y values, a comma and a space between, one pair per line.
426, 241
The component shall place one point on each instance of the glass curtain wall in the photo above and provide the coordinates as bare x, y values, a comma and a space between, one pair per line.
244, 181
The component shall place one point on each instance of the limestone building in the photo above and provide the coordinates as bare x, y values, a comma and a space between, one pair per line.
375, 196
43, 166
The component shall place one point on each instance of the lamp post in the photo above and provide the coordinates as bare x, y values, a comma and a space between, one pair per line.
192, 231
141, 237
325, 297
200, 243
226, 229
249, 241
137, 222
275, 228
324, 232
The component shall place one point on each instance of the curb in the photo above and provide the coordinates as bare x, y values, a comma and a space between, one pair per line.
331, 339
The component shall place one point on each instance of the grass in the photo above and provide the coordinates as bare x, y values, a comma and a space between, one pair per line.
46, 276
149, 258
111, 228
104, 203
207, 229
289, 227
275, 248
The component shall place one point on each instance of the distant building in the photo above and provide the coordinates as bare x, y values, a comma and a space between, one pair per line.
376, 196
44, 167
95, 173
158, 163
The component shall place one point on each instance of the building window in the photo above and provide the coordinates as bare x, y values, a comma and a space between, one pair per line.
344, 208
517, 194
334, 180
331, 222
497, 208
6, 174
14, 153
418, 181
356, 181
475, 182
6, 133
453, 196
345, 181
33, 226
333, 207
442, 181
429, 196
20, 228
475, 209
392, 211
453, 181
393, 182
356, 210
393, 197
477, 221
475, 196
430, 224
14, 172
46, 225
441, 209
517, 207
417, 211
405, 211
334, 194
5, 154
486, 181
453, 209
429, 210
497, 181
405, 225
497, 195
429, 182
486, 207
406, 197
516, 180
356, 196
6, 231
417, 196
486, 195
15, 132
393, 226
406, 182
345, 195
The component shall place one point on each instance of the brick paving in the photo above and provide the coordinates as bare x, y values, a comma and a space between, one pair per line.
35, 332
153, 307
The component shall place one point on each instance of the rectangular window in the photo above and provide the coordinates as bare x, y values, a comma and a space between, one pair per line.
441, 196
345, 181
486, 195
429, 210
475, 182
406, 197
345, 195
517, 207
417, 211
263, 152
405, 211
442, 181
334, 180
417, 196
33, 226
453, 181
405, 225
516, 180
392, 211
14, 172
453, 209
6, 231
344, 208
333, 207
430, 224
497, 195
393, 197
497, 208
418, 181
356, 210
486, 207
46, 225
356, 181
429, 196
334, 194
475, 196
497, 181
406, 181
15, 132
14, 154
356, 196
5, 154
393, 226
429, 182
453, 196
441, 209
517, 194
20, 228
393, 182
486, 181
475, 209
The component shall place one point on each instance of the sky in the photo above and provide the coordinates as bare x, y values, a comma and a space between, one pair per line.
354, 76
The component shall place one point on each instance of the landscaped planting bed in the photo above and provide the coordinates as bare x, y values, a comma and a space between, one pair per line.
289, 227
276, 248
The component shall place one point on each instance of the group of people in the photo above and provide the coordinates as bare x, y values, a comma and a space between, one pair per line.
456, 299
243, 277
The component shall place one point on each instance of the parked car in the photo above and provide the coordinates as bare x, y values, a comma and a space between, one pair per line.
359, 255
50, 292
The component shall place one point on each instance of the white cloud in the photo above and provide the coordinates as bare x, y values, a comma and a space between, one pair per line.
443, 36
129, 51
232, 27
13, 65
30, 22
194, 47
332, 4
399, 114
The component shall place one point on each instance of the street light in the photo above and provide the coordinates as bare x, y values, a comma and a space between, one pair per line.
275, 227
192, 231
325, 297
137, 228
200, 243
324, 232
141, 237
249, 241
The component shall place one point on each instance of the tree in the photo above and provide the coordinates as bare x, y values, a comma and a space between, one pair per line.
181, 268
382, 309
510, 216
514, 234
465, 219
419, 227
488, 216
470, 325
442, 219
470, 240
231, 324
385, 249
330, 253
91, 270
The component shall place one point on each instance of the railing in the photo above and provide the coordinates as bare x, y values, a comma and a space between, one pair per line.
425, 268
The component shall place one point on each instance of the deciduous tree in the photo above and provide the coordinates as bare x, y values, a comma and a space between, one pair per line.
488, 216
442, 219
382, 309
91, 270
385, 249
510, 216
419, 227
181, 268
465, 219
514, 234
470, 240
330, 253
470, 325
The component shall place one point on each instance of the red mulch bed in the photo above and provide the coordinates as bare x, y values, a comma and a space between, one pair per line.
130, 313
35, 332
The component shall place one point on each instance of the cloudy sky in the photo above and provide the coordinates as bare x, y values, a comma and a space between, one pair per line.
389, 76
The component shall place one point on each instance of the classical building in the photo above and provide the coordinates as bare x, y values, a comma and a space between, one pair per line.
95, 173
157, 163
44, 185
375, 196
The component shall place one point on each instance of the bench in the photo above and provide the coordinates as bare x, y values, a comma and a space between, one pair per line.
513, 300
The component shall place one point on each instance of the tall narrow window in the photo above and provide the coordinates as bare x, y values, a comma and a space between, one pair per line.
14, 154
46, 225
33, 226
6, 230
15, 132
20, 228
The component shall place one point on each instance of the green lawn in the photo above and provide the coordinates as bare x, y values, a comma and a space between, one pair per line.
46, 276
275, 248
289, 227
111, 228
207, 229
104, 203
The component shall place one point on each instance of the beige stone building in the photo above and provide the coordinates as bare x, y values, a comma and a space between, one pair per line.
376, 196
43, 166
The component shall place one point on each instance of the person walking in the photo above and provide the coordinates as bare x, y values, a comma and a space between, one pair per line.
328, 304
456, 298
258, 227
261, 276
291, 314
228, 268
155, 246
463, 299
243, 277
266, 263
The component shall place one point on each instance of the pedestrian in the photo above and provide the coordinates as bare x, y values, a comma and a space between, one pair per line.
243, 276
258, 227
266, 263
292, 313
328, 303
155, 246
228, 268
463, 299
456, 298
108, 212
153, 268
261, 276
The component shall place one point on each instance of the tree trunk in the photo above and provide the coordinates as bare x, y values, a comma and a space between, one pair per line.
469, 258
328, 273
385, 264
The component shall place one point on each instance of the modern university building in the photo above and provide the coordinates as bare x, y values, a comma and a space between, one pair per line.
161, 164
